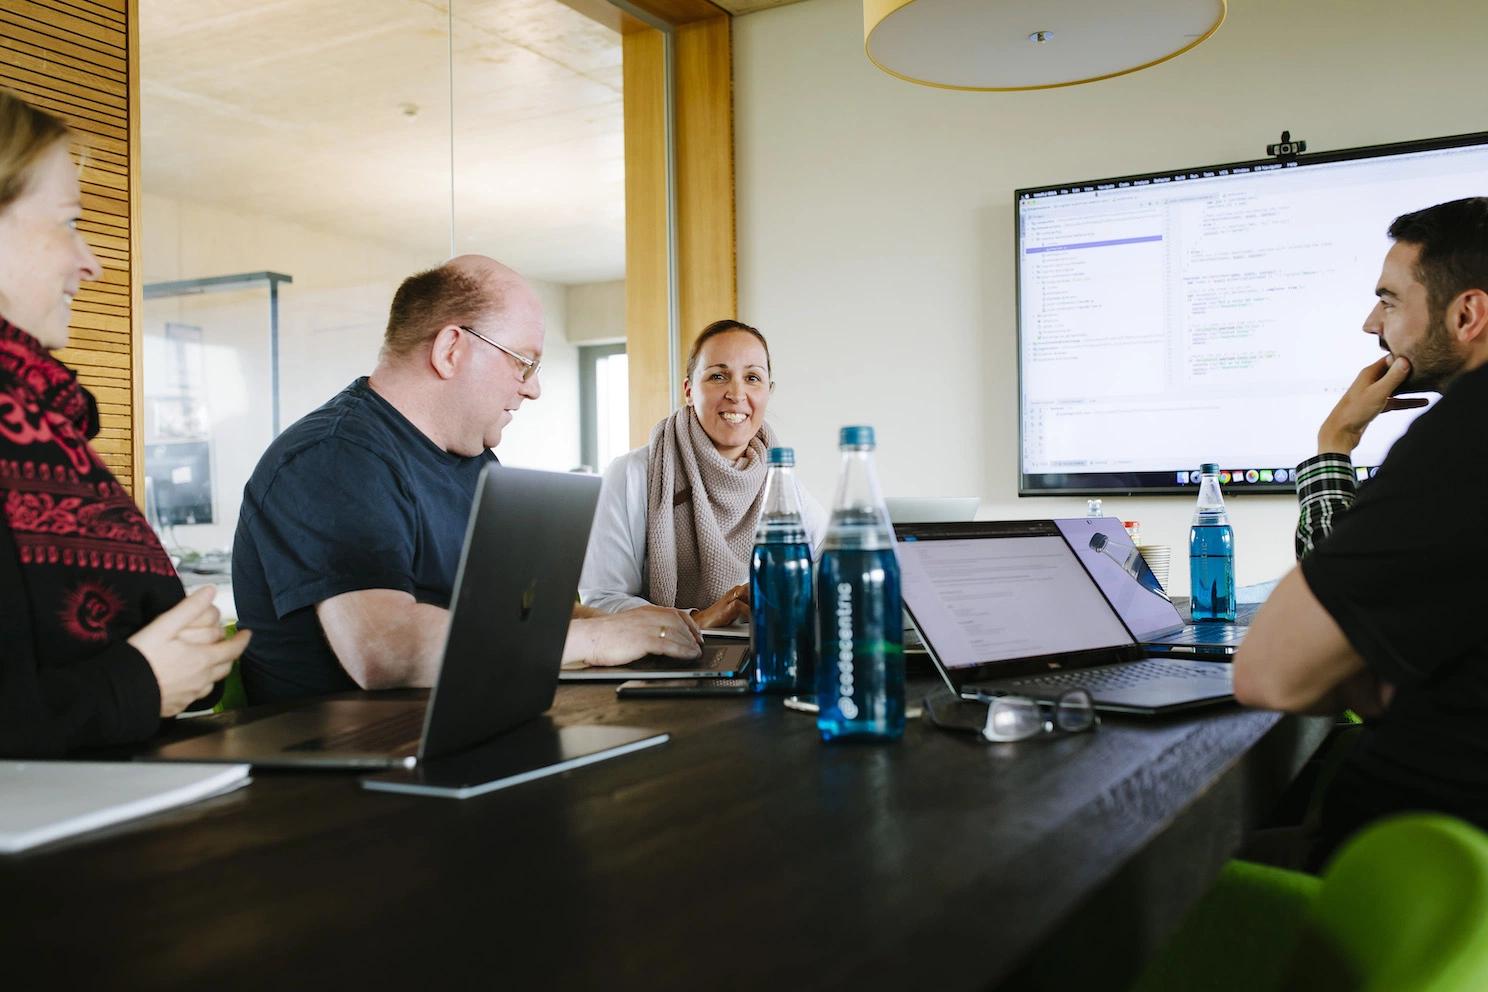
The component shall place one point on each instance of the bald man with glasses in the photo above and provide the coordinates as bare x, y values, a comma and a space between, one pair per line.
352, 523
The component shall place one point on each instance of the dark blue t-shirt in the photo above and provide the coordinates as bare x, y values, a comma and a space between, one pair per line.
350, 497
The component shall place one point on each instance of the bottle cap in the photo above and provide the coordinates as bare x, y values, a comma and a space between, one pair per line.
856, 437
782, 456
1209, 468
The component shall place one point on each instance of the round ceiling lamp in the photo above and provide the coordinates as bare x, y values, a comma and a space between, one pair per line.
1005, 45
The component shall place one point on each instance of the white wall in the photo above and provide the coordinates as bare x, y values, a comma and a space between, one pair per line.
875, 216
596, 312
332, 319
545, 434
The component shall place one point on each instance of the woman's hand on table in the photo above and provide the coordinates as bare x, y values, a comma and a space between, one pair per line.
731, 607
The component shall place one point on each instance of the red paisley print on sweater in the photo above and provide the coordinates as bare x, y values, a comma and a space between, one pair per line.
87, 611
94, 570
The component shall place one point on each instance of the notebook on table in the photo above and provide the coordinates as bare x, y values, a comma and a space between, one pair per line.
46, 801
509, 615
1008, 607
1122, 574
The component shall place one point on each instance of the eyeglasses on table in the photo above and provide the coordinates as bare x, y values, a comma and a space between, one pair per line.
1003, 718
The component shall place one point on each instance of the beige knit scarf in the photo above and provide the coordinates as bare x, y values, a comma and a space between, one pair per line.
701, 512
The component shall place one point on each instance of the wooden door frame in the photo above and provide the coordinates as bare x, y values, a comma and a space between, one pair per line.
680, 254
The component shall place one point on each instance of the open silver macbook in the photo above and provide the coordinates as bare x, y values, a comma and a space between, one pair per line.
727, 660
1008, 607
509, 614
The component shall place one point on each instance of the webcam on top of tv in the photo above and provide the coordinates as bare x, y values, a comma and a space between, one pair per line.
1286, 149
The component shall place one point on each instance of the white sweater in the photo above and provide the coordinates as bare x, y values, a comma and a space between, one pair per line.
615, 565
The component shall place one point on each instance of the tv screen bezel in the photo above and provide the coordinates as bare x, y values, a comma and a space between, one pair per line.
1134, 483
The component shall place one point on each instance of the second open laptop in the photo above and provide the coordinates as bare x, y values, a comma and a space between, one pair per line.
509, 614
1122, 573
1007, 607
720, 659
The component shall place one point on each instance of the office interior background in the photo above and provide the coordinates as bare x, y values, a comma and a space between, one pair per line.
276, 140
876, 224
346, 144
261, 175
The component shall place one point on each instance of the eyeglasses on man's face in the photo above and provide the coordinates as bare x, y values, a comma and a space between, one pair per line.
1001, 719
529, 365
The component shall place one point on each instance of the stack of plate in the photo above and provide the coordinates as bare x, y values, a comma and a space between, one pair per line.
1158, 557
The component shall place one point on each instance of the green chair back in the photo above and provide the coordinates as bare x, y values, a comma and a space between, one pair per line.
1404, 907
1239, 937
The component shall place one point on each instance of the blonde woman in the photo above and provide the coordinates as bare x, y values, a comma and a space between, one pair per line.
676, 519
97, 643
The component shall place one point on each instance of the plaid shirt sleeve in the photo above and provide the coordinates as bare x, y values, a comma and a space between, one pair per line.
1325, 489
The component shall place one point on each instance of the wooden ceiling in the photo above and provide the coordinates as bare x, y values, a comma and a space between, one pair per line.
741, 7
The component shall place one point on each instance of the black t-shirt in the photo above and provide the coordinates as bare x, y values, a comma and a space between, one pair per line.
1401, 573
352, 496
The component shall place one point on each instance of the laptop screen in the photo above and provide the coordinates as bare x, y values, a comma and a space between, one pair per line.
993, 597
1112, 559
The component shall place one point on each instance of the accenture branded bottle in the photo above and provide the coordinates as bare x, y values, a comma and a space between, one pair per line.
1211, 553
859, 614
780, 586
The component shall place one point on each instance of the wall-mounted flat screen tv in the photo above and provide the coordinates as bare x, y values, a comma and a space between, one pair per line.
1209, 314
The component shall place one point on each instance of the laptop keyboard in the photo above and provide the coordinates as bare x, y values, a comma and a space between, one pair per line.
1116, 676
383, 735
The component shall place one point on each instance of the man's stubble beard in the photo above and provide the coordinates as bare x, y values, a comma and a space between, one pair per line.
1436, 361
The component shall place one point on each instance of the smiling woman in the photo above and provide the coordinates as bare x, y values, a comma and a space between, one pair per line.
98, 642
676, 518
47, 258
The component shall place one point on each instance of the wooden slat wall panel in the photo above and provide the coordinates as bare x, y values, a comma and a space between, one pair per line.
90, 30
22, 33
76, 58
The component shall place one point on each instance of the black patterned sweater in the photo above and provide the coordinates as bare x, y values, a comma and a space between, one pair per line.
80, 570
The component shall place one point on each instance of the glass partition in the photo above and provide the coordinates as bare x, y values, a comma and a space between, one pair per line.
209, 389
279, 141
539, 183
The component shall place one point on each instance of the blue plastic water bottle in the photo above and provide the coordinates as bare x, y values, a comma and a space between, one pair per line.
860, 617
780, 586
1211, 553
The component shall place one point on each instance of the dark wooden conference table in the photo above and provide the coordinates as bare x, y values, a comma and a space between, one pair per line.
744, 853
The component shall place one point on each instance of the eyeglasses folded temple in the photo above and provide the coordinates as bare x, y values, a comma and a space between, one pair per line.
1017, 718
